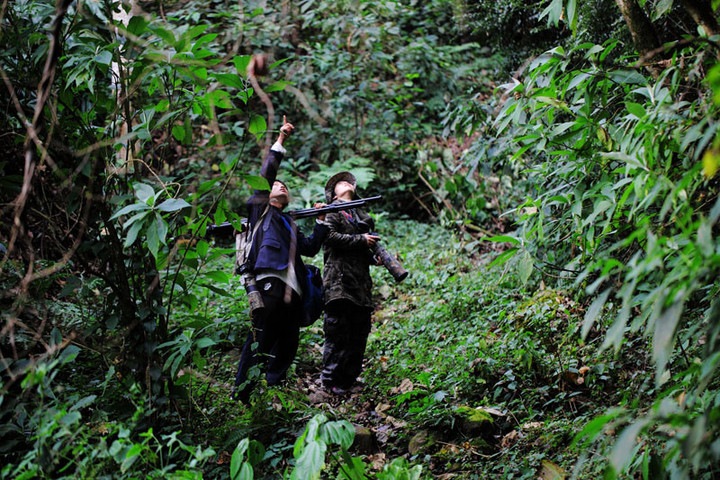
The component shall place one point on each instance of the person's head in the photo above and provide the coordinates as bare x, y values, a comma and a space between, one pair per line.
341, 185
279, 194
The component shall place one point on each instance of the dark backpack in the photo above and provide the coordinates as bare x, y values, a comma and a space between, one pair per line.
313, 296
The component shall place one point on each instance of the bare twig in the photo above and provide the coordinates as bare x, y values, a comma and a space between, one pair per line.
44, 88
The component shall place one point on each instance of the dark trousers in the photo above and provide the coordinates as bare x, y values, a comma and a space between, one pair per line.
346, 327
276, 331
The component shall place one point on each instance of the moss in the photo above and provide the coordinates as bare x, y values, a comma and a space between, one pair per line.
475, 415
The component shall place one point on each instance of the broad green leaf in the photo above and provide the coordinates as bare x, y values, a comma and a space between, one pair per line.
144, 192
636, 109
130, 457
241, 64
503, 239
219, 291
593, 311
238, 455
230, 80
195, 31
578, 79
219, 98
132, 234
205, 342
218, 276
137, 25
572, 14
311, 462
130, 208
525, 266
632, 161
219, 217
173, 205
615, 333
257, 126
103, 58
153, 239
339, 432
136, 218
162, 228
627, 77
166, 35
257, 182
246, 472
202, 248
83, 402
191, 301
178, 132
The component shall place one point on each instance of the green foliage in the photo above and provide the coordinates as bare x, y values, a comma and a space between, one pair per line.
594, 183
618, 156
318, 441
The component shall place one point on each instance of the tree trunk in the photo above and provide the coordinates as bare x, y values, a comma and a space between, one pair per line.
701, 11
643, 33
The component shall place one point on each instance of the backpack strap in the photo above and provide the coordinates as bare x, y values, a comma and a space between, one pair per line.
244, 240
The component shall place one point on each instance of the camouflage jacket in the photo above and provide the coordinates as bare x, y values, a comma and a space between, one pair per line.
348, 258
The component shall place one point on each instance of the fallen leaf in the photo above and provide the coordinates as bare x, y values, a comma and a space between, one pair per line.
531, 425
550, 471
492, 411
406, 386
510, 439
377, 461
381, 408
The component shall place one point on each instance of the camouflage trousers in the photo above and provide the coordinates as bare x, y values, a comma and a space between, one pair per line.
346, 328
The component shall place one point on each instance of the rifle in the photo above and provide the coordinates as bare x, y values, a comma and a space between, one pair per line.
226, 229
335, 207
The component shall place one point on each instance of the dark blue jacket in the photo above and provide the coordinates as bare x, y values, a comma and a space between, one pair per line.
271, 248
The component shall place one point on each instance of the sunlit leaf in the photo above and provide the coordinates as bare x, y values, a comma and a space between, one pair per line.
711, 162
257, 182
237, 458
257, 126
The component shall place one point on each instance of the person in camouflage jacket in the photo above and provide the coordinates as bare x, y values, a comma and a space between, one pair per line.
348, 286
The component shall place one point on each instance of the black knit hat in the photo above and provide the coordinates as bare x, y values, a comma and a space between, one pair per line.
334, 180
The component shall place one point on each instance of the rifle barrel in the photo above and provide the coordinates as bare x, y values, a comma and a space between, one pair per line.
226, 229
314, 212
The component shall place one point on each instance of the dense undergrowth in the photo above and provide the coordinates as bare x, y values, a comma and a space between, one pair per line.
468, 375
562, 314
